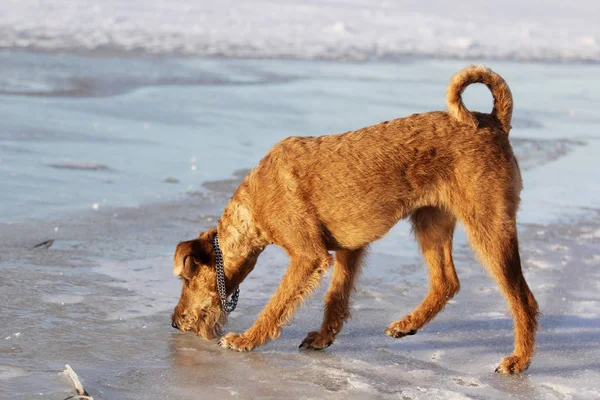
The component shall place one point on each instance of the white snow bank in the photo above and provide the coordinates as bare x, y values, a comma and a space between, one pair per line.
346, 29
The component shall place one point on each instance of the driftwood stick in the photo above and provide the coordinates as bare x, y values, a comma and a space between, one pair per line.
81, 393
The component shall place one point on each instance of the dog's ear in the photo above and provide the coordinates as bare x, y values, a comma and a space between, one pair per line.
194, 254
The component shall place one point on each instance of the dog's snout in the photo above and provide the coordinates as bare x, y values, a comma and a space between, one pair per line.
174, 324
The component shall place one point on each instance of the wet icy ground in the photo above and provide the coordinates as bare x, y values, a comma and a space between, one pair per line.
117, 177
100, 298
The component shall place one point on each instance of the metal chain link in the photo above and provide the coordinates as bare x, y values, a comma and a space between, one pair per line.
228, 305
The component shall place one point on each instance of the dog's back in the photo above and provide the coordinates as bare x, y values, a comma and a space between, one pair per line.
379, 174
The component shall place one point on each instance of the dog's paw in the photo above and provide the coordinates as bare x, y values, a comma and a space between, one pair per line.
399, 329
512, 365
315, 341
236, 341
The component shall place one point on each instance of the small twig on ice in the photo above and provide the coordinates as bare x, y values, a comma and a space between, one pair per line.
45, 244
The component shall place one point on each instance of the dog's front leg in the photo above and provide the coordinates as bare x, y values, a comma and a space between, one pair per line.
302, 276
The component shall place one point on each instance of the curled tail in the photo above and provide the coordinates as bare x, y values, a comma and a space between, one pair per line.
503, 102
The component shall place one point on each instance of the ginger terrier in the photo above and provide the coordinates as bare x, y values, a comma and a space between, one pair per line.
312, 195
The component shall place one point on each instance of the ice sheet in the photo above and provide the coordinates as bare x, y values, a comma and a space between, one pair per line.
100, 297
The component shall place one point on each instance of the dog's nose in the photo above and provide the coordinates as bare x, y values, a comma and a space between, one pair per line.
174, 325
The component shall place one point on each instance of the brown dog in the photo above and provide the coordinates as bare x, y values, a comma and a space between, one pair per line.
312, 195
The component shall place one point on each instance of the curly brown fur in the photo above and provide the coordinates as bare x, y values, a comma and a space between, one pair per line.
312, 195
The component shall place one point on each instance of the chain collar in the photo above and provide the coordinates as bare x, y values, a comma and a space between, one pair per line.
228, 305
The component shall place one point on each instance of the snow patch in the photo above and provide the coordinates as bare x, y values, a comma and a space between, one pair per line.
7, 372
433, 394
489, 315
586, 308
63, 299
537, 263
261, 28
467, 381
591, 235
339, 28
572, 393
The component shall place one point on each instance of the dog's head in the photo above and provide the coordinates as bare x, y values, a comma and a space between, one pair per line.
199, 308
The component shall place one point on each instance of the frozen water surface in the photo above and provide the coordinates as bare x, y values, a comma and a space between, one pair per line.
118, 159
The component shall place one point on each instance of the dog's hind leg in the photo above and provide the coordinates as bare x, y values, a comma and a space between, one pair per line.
337, 300
433, 229
498, 247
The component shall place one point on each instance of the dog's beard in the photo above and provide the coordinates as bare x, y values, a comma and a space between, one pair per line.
210, 323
